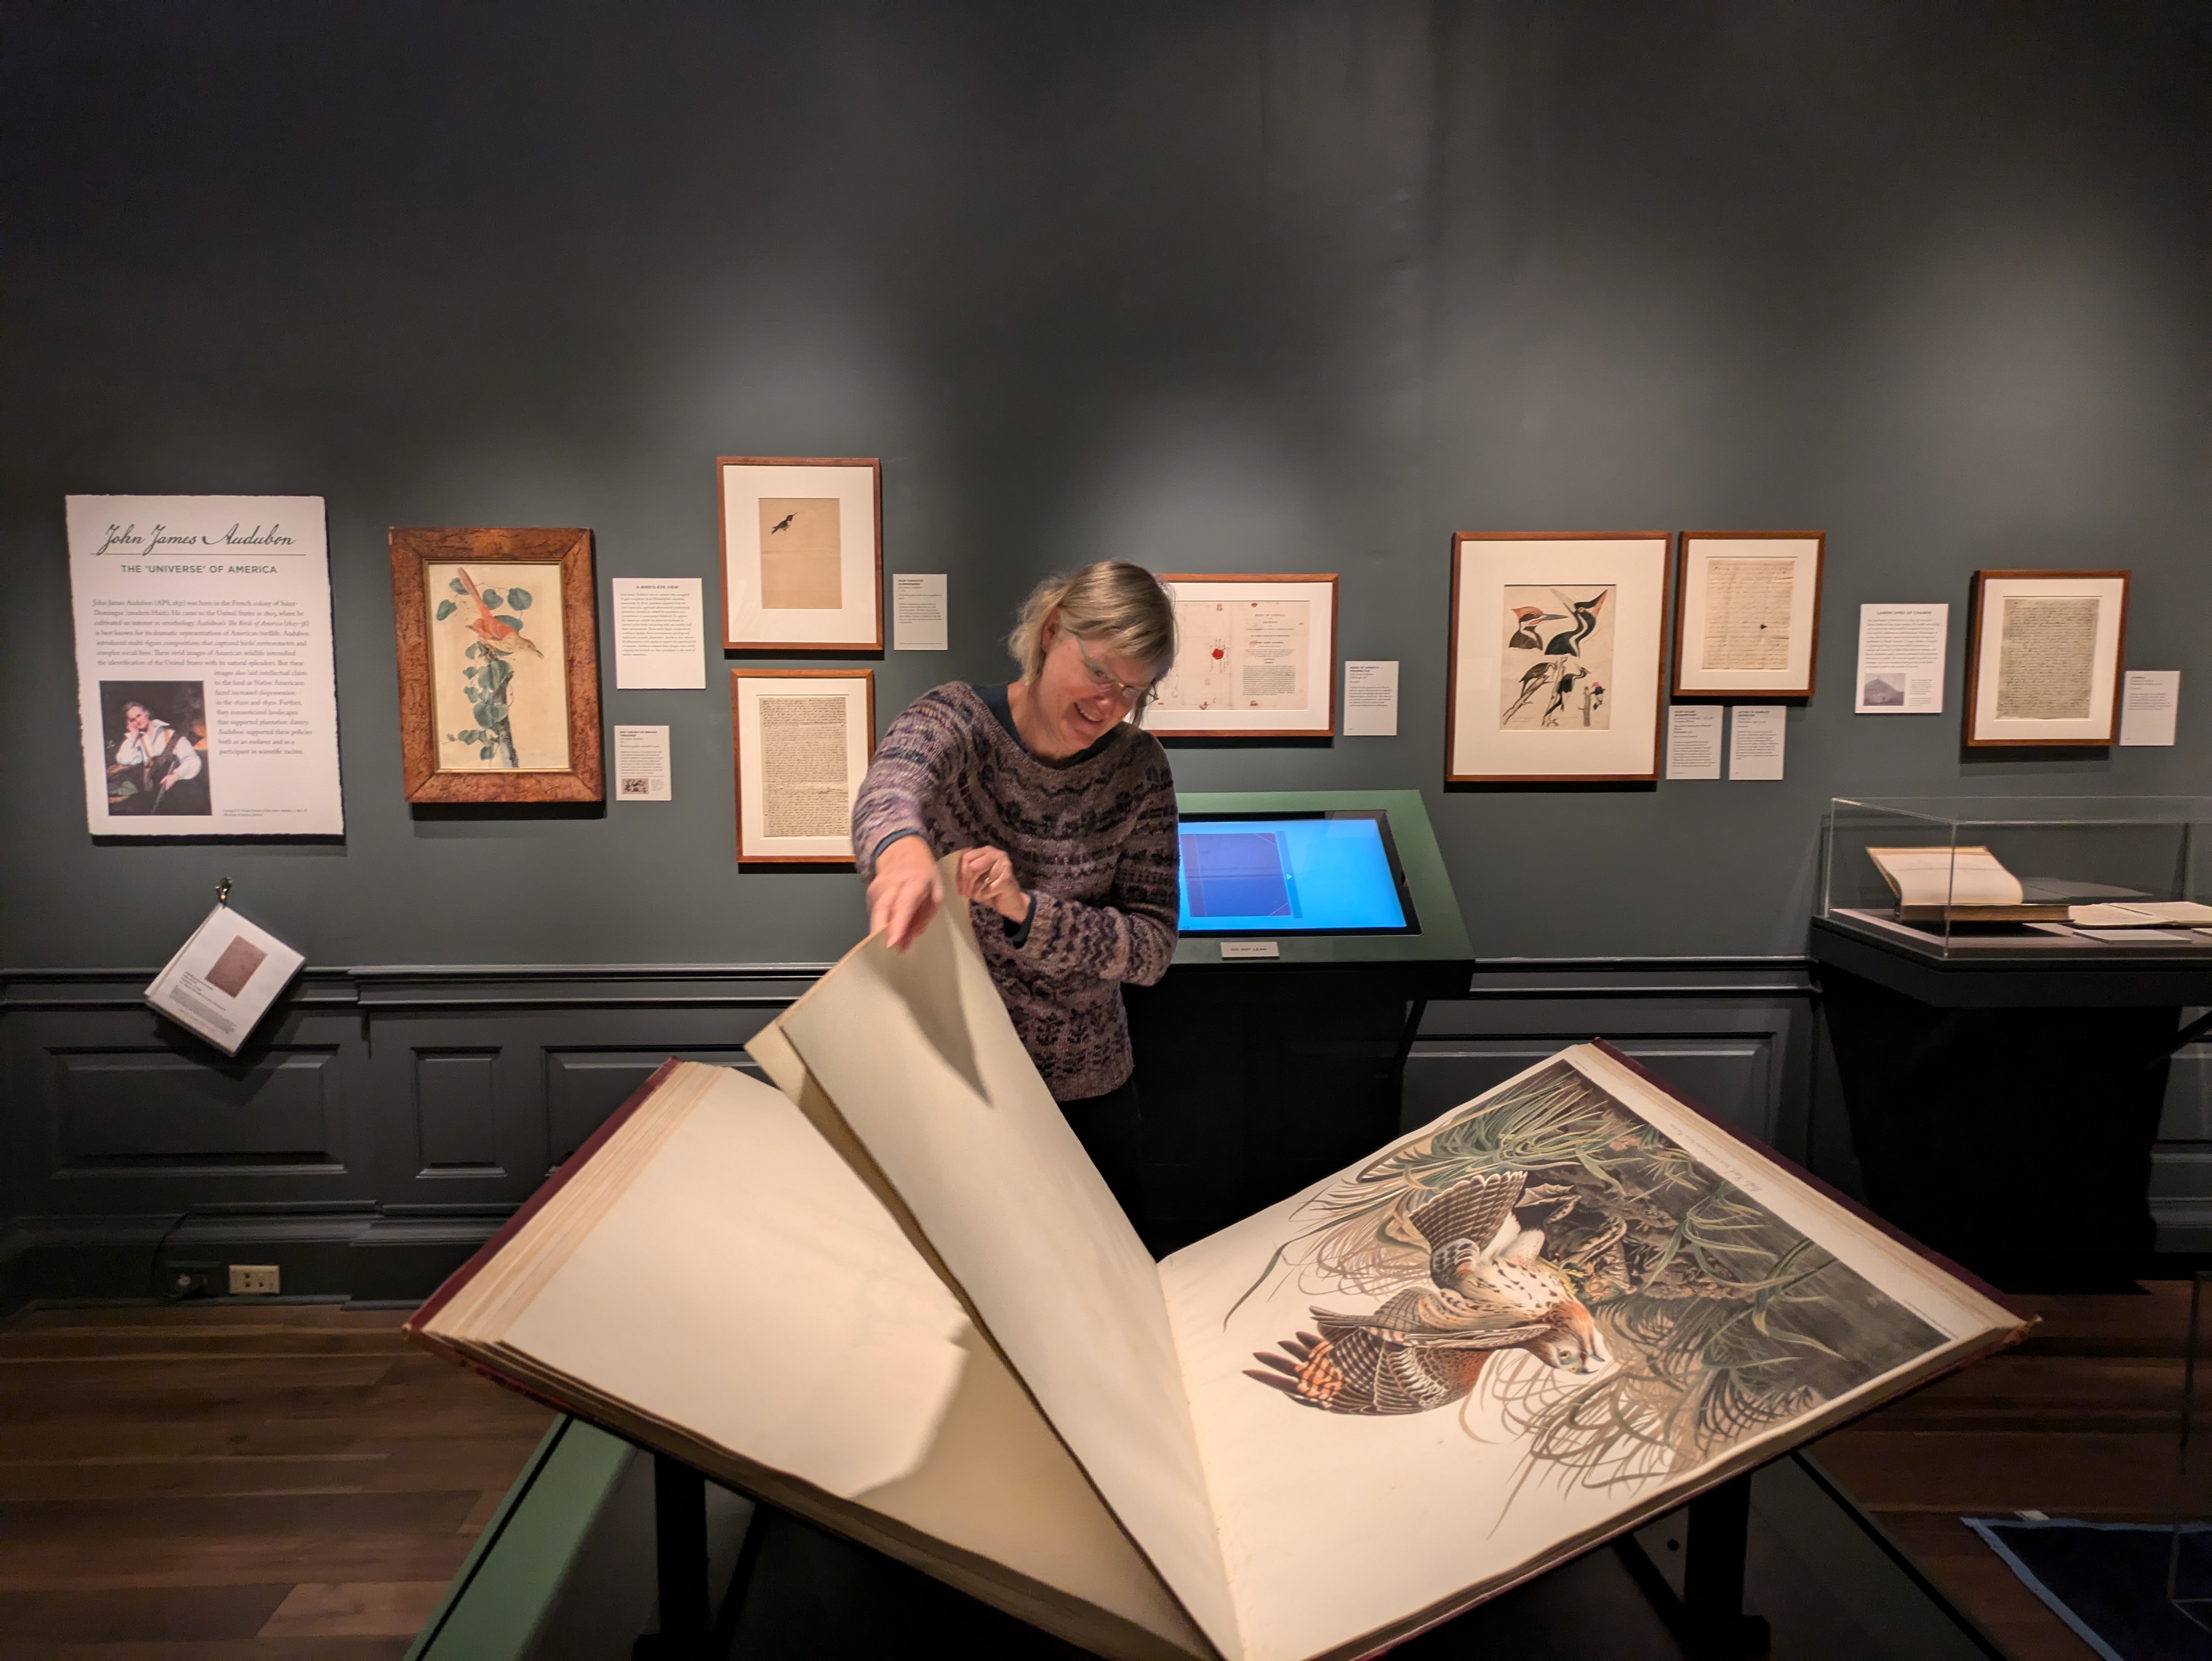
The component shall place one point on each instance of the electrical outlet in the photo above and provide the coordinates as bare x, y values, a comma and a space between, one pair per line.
254, 1280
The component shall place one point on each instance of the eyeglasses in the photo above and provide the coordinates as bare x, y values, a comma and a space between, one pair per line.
1106, 681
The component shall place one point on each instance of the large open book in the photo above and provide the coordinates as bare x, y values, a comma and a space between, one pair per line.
893, 1297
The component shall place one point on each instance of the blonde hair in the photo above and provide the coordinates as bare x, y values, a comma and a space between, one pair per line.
1124, 607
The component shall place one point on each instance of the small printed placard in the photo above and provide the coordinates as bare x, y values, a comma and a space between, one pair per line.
1251, 949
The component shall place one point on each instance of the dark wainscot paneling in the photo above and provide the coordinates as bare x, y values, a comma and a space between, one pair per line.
380, 1127
386, 1121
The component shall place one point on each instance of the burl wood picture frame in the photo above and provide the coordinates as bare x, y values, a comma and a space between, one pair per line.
802, 553
2044, 654
1281, 628
795, 785
1557, 657
1747, 613
497, 632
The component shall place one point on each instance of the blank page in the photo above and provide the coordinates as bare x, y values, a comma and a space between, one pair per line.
915, 1050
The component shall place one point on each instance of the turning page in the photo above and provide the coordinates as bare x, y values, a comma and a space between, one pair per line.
916, 1053
712, 1280
1554, 1312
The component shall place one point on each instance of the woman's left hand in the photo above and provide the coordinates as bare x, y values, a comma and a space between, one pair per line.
987, 876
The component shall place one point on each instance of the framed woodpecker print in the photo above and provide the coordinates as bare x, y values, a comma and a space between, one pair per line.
802, 739
1746, 613
499, 665
1255, 658
1557, 650
2042, 657
802, 554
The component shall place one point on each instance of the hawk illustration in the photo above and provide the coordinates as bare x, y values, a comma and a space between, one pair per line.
1424, 1347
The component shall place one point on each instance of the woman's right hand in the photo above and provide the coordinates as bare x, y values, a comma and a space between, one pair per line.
905, 893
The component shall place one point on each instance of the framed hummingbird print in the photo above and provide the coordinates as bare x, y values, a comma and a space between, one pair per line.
1748, 614
1255, 658
1557, 651
499, 665
802, 553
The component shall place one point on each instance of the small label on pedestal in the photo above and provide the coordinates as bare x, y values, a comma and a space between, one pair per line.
1250, 949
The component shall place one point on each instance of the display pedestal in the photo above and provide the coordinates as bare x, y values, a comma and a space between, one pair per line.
2004, 1115
1258, 1080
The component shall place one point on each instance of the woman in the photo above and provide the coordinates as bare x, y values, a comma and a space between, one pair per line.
1065, 816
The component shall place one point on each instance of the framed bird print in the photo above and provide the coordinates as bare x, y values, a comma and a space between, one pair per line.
802, 554
2043, 651
1556, 658
499, 665
1255, 658
1747, 614
801, 740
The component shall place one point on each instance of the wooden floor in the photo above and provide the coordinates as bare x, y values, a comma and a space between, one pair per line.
2080, 1420
218, 1481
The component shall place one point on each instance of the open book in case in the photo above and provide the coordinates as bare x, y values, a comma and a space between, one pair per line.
891, 1295
2048, 877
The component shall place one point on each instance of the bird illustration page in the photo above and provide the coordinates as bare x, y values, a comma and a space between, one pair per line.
1549, 1315
498, 684
1556, 661
1521, 1329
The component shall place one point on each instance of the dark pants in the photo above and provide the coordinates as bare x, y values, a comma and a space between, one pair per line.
1111, 1129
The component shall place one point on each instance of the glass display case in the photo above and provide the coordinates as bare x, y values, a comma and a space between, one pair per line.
2045, 876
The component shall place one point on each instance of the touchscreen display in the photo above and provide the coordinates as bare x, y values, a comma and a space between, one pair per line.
1309, 874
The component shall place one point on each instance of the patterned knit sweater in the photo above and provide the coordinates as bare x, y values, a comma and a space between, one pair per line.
1094, 839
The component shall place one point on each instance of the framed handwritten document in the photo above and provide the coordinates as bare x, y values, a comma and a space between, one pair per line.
1556, 649
1255, 658
1746, 613
2042, 657
802, 554
497, 632
802, 739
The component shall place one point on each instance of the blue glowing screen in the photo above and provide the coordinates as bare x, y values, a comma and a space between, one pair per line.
1310, 876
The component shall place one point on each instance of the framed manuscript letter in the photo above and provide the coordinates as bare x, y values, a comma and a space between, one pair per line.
499, 665
1255, 658
2042, 657
1746, 613
802, 555
1555, 657
802, 739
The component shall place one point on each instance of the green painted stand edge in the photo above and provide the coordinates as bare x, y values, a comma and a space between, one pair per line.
492, 1609
1443, 937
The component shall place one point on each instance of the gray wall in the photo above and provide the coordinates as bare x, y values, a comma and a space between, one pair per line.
1232, 286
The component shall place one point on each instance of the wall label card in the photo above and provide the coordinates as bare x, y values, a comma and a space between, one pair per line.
918, 612
1694, 741
660, 626
1371, 698
641, 769
2150, 702
207, 700
223, 979
1233, 949
1901, 659
1756, 732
